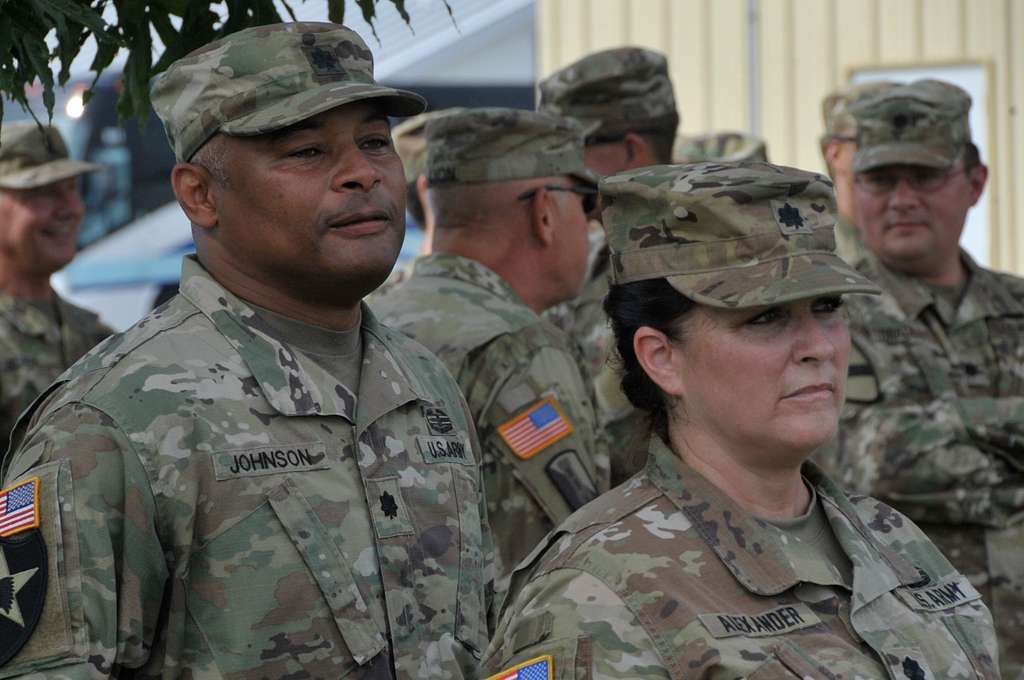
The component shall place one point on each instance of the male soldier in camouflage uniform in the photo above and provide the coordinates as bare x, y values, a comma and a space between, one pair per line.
258, 479
40, 212
838, 145
669, 576
625, 101
934, 423
511, 241
729, 147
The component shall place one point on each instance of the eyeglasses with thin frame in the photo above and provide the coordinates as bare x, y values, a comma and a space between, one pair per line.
587, 194
921, 179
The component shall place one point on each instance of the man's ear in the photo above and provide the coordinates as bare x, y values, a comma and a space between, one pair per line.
977, 177
660, 359
543, 218
830, 151
193, 186
638, 151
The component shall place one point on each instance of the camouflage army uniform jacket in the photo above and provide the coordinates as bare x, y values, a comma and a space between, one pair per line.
666, 577
34, 350
229, 510
934, 426
512, 366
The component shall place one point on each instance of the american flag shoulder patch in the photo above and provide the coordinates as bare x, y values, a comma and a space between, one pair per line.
534, 669
540, 426
19, 507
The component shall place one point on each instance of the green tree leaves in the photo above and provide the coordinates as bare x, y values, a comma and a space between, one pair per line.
182, 25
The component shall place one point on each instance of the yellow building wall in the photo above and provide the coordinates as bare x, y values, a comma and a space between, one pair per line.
805, 49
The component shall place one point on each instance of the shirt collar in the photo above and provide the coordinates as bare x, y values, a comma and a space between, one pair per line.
983, 297
292, 383
466, 270
752, 551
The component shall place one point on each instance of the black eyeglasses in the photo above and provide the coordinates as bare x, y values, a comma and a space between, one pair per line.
924, 180
587, 194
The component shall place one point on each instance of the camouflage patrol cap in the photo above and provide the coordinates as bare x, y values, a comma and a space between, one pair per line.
922, 123
719, 146
835, 108
32, 157
410, 141
266, 78
729, 235
497, 145
613, 92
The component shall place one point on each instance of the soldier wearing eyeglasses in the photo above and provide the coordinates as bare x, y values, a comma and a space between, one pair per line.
510, 194
934, 422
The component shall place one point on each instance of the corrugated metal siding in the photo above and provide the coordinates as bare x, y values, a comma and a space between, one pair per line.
806, 48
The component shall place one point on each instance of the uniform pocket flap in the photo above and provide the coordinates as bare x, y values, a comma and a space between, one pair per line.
330, 570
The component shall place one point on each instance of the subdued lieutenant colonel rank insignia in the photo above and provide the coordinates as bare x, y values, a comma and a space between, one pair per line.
791, 221
22, 566
532, 431
539, 668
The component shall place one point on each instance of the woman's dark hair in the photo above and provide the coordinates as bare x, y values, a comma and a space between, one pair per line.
654, 303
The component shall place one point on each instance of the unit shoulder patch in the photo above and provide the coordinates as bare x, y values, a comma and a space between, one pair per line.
538, 668
861, 382
23, 567
569, 475
542, 424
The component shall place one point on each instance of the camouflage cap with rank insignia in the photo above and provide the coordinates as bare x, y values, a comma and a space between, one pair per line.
922, 123
500, 145
266, 78
613, 92
727, 234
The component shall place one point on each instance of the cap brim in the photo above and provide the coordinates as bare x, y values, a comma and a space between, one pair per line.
786, 279
587, 176
48, 173
307, 104
902, 154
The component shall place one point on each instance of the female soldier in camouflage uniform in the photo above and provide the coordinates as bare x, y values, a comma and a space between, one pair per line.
730, 555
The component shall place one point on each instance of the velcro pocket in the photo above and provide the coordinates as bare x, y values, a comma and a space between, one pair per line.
470, 619
274, 595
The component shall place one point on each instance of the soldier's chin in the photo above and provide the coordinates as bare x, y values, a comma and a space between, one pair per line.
374, 277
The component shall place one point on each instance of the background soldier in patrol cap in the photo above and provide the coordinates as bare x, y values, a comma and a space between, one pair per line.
838, 145
250, 482
40, 212
934, 423
730, 147
511, 194
411, 144
624, 99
